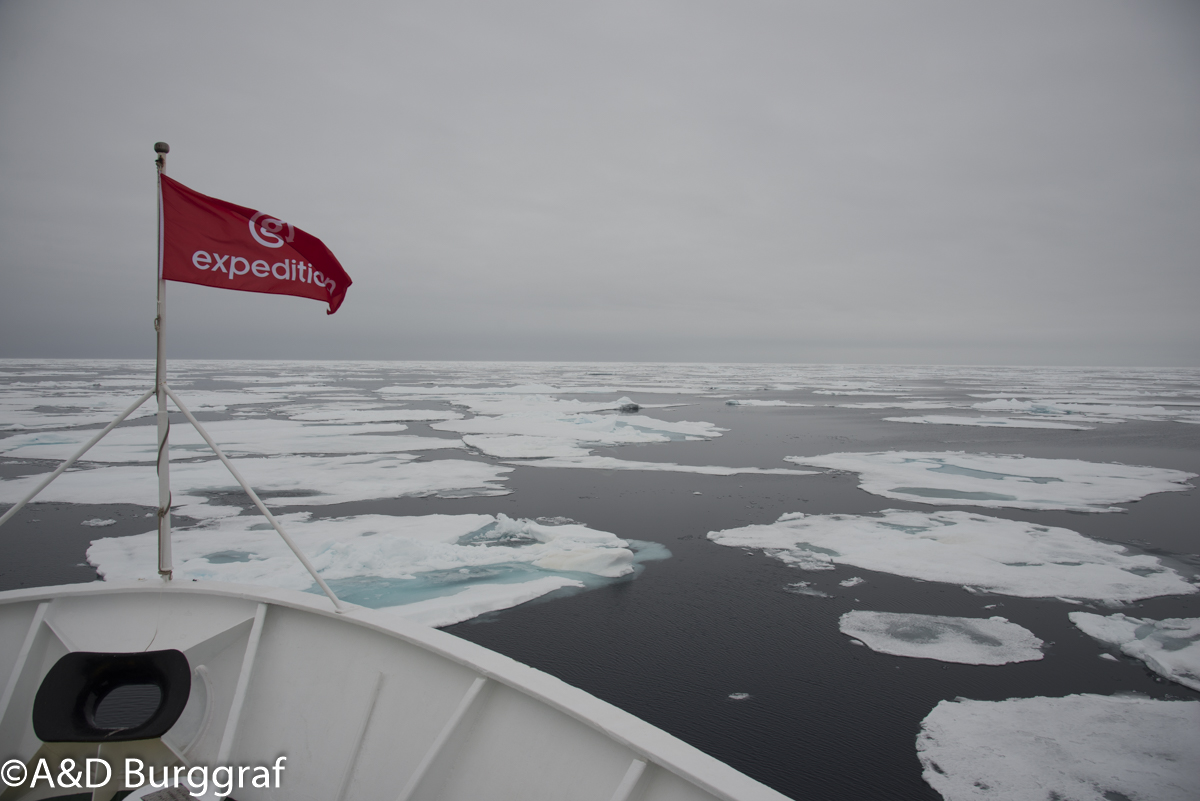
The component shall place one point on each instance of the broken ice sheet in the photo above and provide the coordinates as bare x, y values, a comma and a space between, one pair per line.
1001, 481
612, 463
1171, 647
1082, 747
590, 429
966, 640
518, 446
992, 554
751, 402
307, 480
1094, 410
449, 567
987, 422
235, 438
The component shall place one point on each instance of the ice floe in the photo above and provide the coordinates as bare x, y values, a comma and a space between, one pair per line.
479, 599
438, 569
1094, 410
355, 413
590, 429
916, 404
1001, 481
519, 446
987, 422
745, 402
1081, 747
612, 463
992, 554
198, 487
235, 437
1171, 647
966, 640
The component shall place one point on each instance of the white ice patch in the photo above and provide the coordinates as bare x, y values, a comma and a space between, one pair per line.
986, 422
589, 429
300, 480
347, 413
987, 553
917, 404
447, 568
1097, 411
1081, 747
479, 599
98, 522
612, 463
235, 438
1170, 647
516, 446
966, 640
746, 402
1001, 481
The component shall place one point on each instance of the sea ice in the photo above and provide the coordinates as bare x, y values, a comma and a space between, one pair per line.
592, 429
986, 422
746, 402
999, 481
1095, 410
446, 567
917, 404
966, 640
479, 599
988, 553
356, 413
306, 480
612, 463
518, 446
1170, 647
235, 438
98, 522
1081, 747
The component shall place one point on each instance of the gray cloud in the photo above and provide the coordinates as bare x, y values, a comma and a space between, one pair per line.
802, 181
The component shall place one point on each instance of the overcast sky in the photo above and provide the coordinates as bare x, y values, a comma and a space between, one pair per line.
928, 181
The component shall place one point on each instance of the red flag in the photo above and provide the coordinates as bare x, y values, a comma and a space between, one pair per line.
215, 243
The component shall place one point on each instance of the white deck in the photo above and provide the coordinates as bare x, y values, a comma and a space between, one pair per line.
365, 705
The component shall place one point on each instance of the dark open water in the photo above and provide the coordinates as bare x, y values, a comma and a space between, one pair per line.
825, 719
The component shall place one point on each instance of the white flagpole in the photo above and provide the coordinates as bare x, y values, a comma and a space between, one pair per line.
160, 390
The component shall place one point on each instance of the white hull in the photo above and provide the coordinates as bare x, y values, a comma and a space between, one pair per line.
365, 705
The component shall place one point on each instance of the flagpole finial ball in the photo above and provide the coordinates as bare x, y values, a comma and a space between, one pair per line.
162, 147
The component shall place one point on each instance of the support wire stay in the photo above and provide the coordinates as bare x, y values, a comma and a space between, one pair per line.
254, 497
62, 467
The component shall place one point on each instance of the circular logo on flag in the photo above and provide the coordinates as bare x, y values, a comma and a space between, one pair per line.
266, 230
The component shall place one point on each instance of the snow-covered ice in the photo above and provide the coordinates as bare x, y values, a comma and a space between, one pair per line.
752, 402
235, 437
364, 413
916, 404
1081, 747
612, 463
1091, 410
479, 599
447, 567
1170, 647
520, 446
300, 480
966, 640
999, 480
987, 422
986, 553
591, 429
